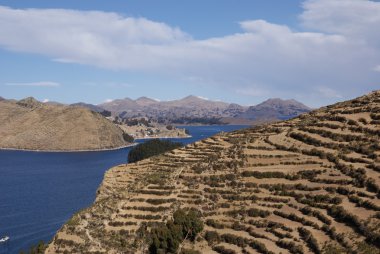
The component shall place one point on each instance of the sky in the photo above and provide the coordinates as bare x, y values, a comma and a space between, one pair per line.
315, 51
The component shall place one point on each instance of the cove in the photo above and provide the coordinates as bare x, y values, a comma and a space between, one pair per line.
40, 191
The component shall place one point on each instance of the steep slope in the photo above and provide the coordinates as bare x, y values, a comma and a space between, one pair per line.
30, 124
306, 185
276, 109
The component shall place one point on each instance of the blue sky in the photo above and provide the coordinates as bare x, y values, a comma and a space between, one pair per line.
315, 51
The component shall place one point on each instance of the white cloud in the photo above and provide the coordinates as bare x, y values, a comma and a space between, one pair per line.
45, 100
36, 84
377, 68
203, 98
339, 46
353, 18
108, 100
328, 92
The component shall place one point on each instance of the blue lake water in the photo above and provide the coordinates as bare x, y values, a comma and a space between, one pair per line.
39, 191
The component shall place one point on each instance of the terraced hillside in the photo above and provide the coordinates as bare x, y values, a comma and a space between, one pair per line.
306, 185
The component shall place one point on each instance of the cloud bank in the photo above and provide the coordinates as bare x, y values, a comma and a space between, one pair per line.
36, 84
334, 54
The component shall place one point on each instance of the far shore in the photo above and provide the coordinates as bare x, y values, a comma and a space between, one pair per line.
163, 137
200, 125
68, 151
86, 150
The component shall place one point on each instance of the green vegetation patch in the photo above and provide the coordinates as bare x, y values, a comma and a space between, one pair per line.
166, 238
151, 148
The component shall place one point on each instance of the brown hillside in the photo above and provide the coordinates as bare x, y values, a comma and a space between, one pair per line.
306, 185
29, 124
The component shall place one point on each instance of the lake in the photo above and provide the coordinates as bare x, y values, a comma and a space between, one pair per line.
39, 191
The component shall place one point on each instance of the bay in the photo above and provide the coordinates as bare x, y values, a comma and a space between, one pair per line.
40, 191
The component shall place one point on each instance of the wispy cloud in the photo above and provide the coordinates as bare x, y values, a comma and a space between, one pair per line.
252, 91
36, 84
203, 98
377, 68
328, 92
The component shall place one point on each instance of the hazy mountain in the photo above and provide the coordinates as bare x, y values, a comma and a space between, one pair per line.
145, 101
193, 109
276, 109
30, 124
195, 102
120, 105
55, 103
89, 106
303, 185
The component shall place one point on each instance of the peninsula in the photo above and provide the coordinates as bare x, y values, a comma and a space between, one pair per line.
32, 125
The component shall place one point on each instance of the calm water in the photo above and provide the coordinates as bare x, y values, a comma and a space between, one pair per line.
39, 191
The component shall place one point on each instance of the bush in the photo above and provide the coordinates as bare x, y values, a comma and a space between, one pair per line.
223, 250
253, 212
212, 237
166, 238
128, 138
309, 239
151, 148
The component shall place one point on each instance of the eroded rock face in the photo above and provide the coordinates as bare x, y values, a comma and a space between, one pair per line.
30, 124
307, 185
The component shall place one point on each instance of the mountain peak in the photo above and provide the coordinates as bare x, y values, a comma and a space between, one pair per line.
29, 102
280, 102
145, 101
276, 109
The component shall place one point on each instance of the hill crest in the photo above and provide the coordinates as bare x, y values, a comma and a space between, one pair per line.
32, 125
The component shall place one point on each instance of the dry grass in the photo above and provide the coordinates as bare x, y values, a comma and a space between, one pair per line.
37, 126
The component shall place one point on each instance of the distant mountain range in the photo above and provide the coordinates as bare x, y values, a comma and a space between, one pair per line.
196, 110
193, 109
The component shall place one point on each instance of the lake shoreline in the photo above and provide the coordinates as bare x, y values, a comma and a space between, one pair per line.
88, 150
68, 151
164, 137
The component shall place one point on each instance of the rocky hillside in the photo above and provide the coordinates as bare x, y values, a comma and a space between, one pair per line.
306, 185
193, 109
30, 124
